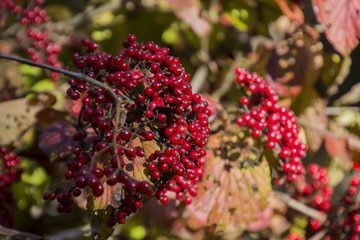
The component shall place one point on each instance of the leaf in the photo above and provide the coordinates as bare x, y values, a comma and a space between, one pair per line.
351, 97
189, 12
236, 22
230, 196
16, 117
99, 228
341, 20
56, 139
112, 195
135, 168
294, 62
338, 147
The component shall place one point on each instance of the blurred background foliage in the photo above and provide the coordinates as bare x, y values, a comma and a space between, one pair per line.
280, 40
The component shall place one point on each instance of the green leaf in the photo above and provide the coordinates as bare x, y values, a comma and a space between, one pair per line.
43, 86
99, 228
236, 22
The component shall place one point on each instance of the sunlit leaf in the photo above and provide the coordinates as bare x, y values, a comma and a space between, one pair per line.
135, 168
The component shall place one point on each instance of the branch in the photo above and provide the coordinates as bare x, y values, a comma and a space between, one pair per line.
199, 77
67, 73
302, 208
9, 234
74, 233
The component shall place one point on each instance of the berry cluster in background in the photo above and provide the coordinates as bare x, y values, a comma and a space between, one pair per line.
159, 132
9, 173
32, 33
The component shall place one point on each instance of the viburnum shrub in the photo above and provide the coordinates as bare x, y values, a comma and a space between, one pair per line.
274, 126
142, 134
9, 173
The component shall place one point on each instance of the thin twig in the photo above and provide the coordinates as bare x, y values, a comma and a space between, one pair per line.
330, 111
74, 233
319, 235
199, 77
302, 208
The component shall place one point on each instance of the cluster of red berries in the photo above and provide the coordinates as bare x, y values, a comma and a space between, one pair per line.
318, 189
351, 221
275, 126
316, 193
158, 109
35, 38
9, 173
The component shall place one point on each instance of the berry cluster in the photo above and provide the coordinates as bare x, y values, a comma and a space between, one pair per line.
9, 173
273, 125
317, 189
316, 193
160, 130
35, 36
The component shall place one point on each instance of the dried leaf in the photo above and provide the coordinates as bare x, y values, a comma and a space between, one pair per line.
341, 20
112, 195
16, 116
135, 168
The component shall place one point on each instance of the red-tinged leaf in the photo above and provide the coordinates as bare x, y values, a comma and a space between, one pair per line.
56, 139
230, 196
342, 22
189, 12
263, 221
339, 147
